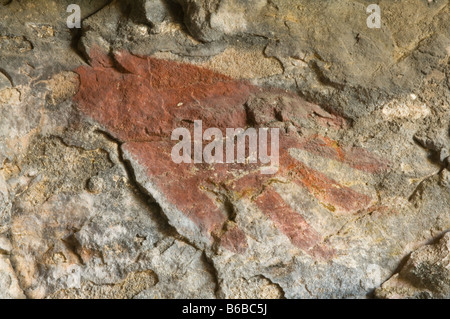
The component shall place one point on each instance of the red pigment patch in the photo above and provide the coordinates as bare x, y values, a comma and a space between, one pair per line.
355, 157
234, 239
180, 184
141, 100
292, 224
152, 97
334, 196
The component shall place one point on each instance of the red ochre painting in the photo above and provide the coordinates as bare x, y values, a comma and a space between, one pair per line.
173, 95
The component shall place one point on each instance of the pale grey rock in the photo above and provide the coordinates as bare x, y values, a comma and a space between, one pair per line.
352, 274
95, 184
445, 178
9, 284
5, 206
199, 18
360, 265
426, 274
195, 281
94, 244
4, 81
25, 43
443, 155
77, 220
175, 217
5, 245
156, 11
354, 78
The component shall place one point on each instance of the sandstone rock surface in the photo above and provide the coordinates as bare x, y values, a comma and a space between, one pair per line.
426, 274
92, 205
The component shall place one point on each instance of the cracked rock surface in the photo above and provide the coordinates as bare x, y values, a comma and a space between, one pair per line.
426, 274
92, 205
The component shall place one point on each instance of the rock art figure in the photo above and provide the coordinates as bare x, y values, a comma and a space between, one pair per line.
141, 100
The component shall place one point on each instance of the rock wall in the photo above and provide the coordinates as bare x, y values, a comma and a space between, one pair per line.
93, 206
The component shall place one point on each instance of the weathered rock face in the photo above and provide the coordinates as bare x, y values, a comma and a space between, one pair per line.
171, 98
426, 274
92, 204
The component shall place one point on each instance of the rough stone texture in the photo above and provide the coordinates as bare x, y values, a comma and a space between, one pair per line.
426, 274
9, 284
92, 206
